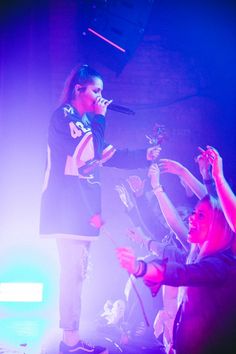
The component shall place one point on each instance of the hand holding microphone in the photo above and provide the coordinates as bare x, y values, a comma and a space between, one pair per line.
101, 105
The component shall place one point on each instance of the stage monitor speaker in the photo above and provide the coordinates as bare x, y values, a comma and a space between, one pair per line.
115, 30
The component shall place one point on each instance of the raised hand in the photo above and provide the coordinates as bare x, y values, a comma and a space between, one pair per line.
136, 184
124, 196
225, 193
153, 152
204, 164
216, 162
171, 166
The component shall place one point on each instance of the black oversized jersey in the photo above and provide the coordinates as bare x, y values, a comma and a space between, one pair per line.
72, 192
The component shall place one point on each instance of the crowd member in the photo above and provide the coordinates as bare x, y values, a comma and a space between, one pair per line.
71, 199
144, 214
224, 191
173, 245
206, 320
186, 177
141, 207
174, 248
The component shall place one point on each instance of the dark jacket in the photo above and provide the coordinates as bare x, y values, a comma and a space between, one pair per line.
206, 320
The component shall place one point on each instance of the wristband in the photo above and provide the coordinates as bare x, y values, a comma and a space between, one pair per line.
142, 269
158, 189
149, 244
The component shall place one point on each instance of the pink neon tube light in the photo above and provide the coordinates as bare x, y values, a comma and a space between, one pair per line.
106, 40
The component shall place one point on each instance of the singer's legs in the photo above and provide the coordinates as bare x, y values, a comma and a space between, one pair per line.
73, 257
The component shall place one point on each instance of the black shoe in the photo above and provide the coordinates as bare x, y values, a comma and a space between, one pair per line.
81, 348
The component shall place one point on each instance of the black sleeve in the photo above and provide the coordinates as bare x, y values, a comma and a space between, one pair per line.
128, 159
210, 271
59, 134
174, 254
98, 130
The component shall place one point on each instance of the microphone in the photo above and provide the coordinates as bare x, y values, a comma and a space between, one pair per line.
120, 109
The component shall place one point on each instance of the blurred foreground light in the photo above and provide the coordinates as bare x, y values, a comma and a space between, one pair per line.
21, 292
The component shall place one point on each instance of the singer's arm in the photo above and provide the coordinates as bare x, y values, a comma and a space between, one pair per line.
128, 159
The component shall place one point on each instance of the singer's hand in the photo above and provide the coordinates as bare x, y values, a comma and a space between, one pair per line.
100, 105
153, 152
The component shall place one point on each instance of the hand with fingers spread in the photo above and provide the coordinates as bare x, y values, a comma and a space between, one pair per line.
124, 196
136, 184
176, 168
171, 166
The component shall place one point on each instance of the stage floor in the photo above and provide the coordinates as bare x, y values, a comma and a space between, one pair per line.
38, 336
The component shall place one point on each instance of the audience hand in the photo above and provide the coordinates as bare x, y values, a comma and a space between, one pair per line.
124, 196
171, 166
204, 164
127, 259
216, 161
136, 184
213, 158
153, 152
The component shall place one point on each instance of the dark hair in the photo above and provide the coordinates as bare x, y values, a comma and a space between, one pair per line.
81, 74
